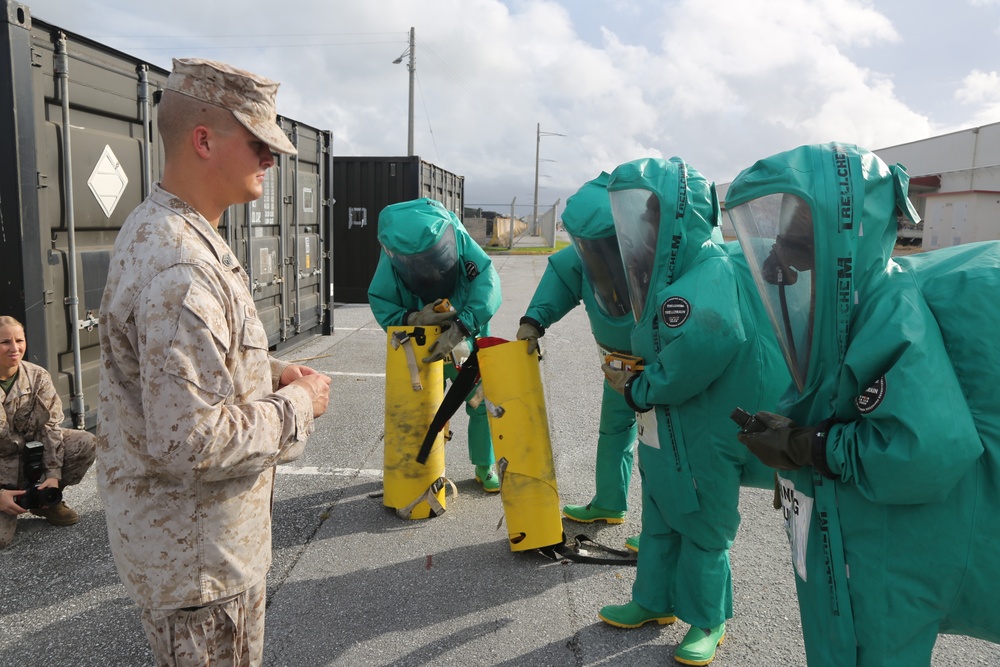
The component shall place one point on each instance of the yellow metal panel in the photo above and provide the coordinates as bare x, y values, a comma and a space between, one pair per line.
512, 383
408, 415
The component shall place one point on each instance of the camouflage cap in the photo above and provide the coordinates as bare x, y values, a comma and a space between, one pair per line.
250, 97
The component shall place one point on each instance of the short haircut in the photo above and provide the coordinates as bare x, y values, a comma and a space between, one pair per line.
179, 114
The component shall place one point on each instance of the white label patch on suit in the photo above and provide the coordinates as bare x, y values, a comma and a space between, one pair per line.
675, 311
797, 508
602, 352
646, 428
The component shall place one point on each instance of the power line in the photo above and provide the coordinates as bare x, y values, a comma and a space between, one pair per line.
428, 116
256, 47
186, 40
244, 36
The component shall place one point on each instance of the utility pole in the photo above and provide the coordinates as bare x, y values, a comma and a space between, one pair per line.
412, 68
538, 145
510, 240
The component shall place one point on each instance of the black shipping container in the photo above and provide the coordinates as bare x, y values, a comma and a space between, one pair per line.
363, 186
64, 196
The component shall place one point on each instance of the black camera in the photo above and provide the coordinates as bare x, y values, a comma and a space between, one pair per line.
34, 469
33, 498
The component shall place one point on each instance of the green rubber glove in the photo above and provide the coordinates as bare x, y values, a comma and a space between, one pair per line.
428, 317
782, 445
530, 333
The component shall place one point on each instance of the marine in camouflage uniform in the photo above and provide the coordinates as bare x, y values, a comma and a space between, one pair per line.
195, 414
32, 411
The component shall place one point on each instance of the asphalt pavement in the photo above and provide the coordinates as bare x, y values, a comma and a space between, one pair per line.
352, 584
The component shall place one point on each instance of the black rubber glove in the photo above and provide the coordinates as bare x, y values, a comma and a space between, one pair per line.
782, 445
529, 332
428, 317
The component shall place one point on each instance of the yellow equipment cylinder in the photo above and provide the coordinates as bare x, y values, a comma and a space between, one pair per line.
413, 393
512, 384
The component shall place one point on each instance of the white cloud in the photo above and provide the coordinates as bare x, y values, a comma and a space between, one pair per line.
720, 83
980, 92
979, 88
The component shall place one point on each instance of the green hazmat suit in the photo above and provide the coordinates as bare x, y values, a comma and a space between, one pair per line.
590, 272
427, 254
707, 350
894, 525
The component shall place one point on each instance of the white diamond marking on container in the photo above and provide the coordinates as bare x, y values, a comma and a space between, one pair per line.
108, 181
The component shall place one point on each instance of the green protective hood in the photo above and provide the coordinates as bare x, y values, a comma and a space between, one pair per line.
588, 210
854, 198
412, 227
689, 209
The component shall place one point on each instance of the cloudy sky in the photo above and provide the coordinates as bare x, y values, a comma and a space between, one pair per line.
720, 83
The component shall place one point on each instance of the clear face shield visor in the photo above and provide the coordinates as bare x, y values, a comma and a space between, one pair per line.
430, 274
776, 234
637, 223
602, 263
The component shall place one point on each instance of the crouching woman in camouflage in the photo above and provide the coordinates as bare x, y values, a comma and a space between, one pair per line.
32, 413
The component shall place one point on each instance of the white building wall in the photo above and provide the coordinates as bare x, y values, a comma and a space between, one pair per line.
966, 207
953, 219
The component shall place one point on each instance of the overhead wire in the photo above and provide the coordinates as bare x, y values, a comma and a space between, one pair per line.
430, 129
425, 48
256, 47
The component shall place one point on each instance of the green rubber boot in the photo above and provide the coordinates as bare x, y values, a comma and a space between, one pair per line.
699, 644
489, 479
632, 615
590, 513
632, 543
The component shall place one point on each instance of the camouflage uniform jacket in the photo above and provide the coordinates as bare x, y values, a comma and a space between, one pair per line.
31, 411
191, 422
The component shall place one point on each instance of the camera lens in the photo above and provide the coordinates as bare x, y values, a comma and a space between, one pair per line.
49, 497
34, 498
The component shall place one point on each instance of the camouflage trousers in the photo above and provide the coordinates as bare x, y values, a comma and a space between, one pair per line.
226, 633
79, 448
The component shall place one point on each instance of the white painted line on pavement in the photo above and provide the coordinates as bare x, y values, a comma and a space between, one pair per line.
364, 375
335, 472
